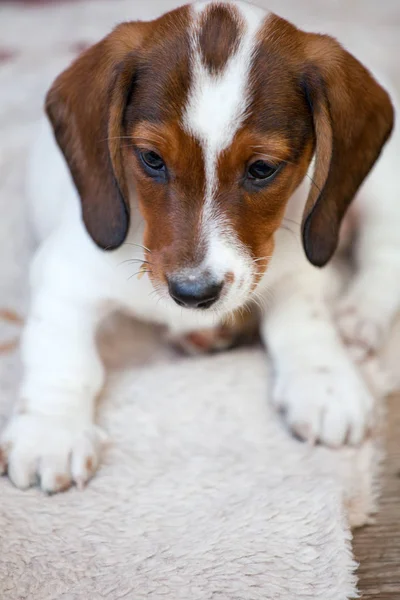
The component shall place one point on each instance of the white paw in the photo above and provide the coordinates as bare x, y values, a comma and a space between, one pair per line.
331, 405
53, 451
363, 325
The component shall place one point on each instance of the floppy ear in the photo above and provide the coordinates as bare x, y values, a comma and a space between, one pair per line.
353, 118
85, 106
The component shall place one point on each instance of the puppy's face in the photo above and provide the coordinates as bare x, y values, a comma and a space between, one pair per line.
220, 135
213, 113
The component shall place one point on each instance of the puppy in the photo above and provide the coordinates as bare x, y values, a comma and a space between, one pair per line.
217, 148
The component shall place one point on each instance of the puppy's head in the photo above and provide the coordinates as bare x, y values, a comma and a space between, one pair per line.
213, 113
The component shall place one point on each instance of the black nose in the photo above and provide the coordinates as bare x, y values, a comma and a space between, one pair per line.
194, 293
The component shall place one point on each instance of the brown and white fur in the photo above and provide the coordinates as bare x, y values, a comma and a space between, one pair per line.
208, 89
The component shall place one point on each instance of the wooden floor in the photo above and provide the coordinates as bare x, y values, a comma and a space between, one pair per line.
377, 547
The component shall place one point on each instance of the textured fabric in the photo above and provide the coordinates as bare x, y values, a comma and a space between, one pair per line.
203, 493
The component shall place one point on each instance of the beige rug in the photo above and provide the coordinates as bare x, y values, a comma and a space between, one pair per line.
203, 494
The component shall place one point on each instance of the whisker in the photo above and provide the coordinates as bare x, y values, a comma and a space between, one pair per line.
142, 271
262, 258
258, 303
135, 260
138, 246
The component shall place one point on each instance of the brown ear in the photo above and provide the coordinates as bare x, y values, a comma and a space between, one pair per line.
353, 118
85, 106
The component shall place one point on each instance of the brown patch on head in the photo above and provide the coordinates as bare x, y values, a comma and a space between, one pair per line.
160, 87
89, 464
256, 214
172, 210
219, 36
278, 105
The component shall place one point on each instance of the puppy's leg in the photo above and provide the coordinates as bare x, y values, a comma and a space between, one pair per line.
368, 308
52, 436
315, 383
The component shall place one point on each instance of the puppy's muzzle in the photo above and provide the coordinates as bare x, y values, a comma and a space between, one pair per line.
195, 291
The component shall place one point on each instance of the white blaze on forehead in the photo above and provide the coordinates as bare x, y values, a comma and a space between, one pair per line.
216, 108
218, 102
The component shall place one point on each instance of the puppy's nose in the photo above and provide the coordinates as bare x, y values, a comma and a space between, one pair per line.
194, 292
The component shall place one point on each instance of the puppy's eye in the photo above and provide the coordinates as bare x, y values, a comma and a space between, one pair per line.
261, 171
152, 162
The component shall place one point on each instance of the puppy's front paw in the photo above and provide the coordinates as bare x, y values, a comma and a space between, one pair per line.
53, 451
331, 405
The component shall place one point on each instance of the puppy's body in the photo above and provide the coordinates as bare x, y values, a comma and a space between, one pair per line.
243, 236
